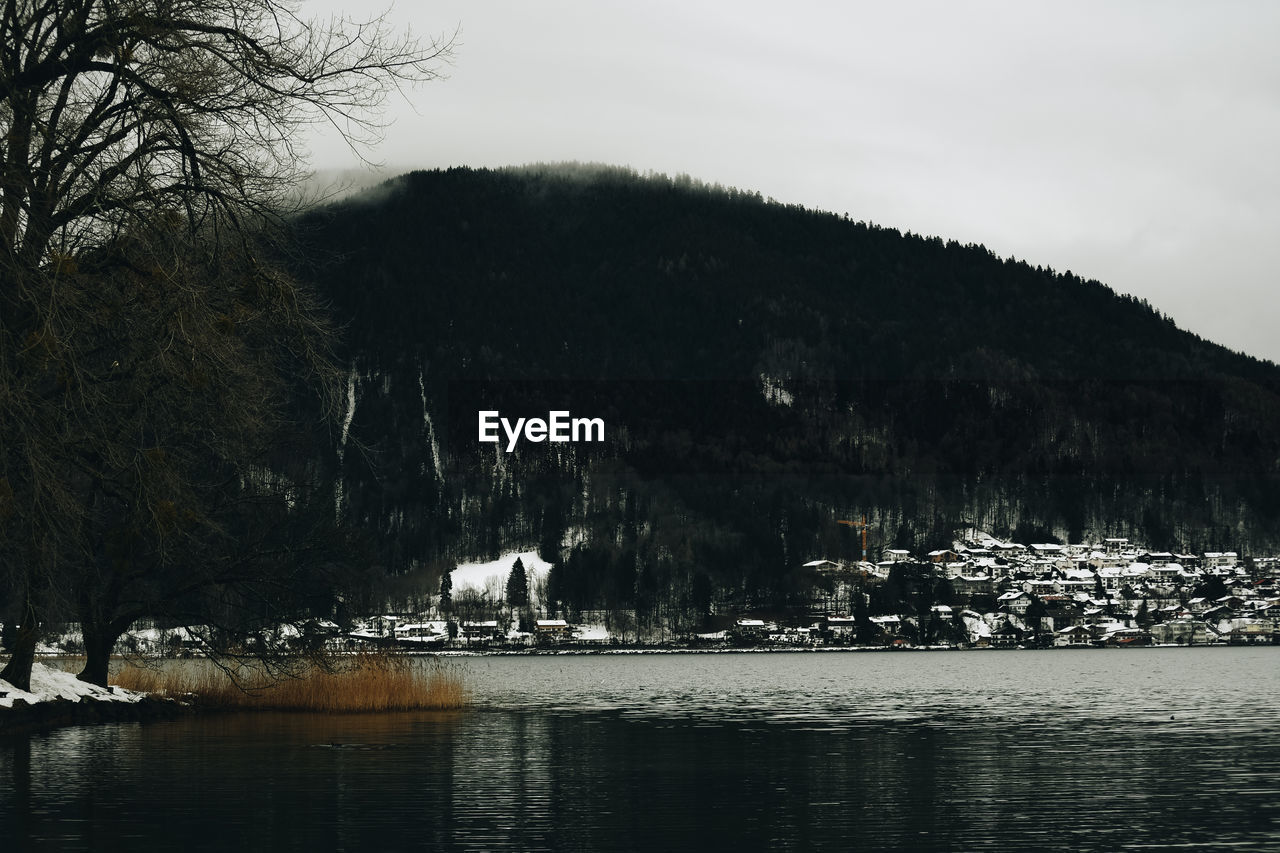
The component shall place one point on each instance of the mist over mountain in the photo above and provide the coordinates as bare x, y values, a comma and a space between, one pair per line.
763, 371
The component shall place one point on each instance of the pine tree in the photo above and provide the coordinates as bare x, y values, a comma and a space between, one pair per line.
446, 591
864, 628
552, 537
1142, 618
518, 585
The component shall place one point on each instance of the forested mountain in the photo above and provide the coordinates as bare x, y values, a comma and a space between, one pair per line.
764, 371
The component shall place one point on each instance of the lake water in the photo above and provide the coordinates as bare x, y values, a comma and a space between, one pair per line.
1135, 749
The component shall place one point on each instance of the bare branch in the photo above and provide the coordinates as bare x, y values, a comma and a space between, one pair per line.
145, 349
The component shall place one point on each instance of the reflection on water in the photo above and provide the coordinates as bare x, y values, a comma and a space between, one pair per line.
1067, 751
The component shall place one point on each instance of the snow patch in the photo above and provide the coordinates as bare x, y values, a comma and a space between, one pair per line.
493, 574
592, 633
774, 391
48, 684
350, 413
430, 428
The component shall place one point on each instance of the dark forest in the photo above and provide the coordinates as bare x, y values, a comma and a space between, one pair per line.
765, 371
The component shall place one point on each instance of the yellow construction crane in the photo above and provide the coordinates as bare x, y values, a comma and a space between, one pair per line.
863, 525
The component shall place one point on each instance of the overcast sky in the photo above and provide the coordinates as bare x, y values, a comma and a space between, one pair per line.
1134, 143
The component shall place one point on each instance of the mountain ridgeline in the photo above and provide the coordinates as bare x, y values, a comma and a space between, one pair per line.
763, 372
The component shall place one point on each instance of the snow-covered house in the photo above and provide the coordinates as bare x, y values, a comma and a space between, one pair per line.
552, 629
1182, 631
1042, 587
1115, 545
842, 627
419, 631
1126, 636
481, 630
972, 585
1220, 559
888, 624
384, 626
1007, 635
1074, 636
1015, 601
1044, 549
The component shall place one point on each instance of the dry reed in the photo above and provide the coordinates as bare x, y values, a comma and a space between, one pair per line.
366, 682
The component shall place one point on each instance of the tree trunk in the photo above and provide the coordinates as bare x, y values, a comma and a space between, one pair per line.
100, 636
18, 670
98, 643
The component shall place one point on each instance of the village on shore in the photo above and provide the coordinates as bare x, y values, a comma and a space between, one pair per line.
980, 593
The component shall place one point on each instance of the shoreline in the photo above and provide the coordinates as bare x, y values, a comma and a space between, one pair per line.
23, 717
33, 718
653, 650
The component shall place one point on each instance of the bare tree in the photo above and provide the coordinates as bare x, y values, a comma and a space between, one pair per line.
117, 112
181, 405
146, 148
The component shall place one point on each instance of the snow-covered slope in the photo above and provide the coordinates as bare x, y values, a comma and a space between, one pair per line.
493, 575
48, 684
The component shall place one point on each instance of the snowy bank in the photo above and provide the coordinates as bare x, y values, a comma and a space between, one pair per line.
48, 684
58, 698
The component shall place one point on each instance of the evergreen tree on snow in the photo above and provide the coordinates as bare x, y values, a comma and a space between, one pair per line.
446, 591
518, 585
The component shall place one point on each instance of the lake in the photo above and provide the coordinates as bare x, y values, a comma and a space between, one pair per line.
978, 750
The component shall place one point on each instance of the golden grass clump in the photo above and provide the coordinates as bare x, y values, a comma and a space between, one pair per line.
365, 682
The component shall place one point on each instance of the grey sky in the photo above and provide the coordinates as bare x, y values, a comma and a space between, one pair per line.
1135, 143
